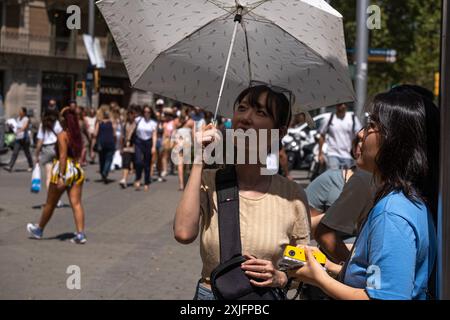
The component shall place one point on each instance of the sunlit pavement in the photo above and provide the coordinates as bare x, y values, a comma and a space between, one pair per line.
130, 253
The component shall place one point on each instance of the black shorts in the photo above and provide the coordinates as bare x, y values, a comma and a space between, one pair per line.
127, 159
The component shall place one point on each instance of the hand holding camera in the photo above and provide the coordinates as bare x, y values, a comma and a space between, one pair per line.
309, 265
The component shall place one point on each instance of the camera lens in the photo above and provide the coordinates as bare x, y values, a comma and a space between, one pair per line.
292, 253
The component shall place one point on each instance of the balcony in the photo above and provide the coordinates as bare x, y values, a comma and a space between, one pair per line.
29, 44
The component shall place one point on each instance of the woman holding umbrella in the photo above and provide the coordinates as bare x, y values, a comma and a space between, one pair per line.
394, 253
273, 210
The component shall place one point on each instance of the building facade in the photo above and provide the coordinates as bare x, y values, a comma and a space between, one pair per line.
41, 58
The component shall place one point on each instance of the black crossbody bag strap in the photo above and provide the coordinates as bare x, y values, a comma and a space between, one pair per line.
228, 213
330, 121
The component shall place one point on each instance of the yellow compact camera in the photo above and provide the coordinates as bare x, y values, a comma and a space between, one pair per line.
294, 257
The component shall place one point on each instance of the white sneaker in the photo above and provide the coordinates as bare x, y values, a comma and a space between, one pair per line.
34, 231
60, 204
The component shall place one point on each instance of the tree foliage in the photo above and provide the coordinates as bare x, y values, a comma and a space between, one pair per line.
412, 27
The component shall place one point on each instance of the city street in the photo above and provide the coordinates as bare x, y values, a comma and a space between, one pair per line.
357, 85
130, 253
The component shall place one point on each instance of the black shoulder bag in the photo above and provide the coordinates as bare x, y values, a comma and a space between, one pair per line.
228, 280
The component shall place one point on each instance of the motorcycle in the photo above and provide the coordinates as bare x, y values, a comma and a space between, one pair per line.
299, 150
292, 145
9, 138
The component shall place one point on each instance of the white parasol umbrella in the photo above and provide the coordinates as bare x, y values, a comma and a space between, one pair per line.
205, 53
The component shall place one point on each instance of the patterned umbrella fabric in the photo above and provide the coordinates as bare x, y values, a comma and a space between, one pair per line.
179, 48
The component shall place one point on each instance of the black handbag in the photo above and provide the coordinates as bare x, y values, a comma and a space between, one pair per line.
228, 280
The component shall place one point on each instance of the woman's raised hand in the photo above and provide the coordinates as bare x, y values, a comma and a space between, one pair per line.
207, 135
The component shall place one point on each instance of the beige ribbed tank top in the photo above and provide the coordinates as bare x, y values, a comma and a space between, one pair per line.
268, 223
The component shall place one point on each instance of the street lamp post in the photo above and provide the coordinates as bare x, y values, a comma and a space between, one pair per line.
90, 71
362, 52
443, 260
2, 126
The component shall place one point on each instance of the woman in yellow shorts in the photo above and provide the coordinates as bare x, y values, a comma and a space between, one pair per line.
67, 175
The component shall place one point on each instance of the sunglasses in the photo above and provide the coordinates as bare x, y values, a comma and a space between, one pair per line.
371, 125
287, 93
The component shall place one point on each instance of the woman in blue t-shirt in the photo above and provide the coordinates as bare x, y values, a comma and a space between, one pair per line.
393, 256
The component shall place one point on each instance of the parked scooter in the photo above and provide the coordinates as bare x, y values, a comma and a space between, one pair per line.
299, 150
292, 145
9, 137
316, 168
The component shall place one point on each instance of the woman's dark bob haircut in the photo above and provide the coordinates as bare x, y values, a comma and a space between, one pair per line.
408, 159
278, 105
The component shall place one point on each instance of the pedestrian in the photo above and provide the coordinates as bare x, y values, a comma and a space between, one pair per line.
159, 105
22, 142
338, 131
157, 155
67, 175
91, 120
145, 146
198, 115
339, 201
73, 105
127, 147
45, 151
117, 121
273, 210
395, 251
167, 143
185, 128
52, 105
85, 136
104, 141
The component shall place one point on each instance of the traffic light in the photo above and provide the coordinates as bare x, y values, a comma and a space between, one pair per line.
96, 80
80, 88
437, 83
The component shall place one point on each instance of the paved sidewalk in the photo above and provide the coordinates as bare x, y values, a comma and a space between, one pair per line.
130, 253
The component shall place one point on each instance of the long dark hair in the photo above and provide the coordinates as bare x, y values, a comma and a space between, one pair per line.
408, 159
72, 127
49, 119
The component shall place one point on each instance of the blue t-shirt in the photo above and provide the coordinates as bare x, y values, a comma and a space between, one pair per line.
395, 251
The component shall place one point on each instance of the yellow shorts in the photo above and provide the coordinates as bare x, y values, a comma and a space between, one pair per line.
73, 175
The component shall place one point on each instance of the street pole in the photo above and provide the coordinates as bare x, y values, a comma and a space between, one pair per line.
324, 109
2, 106
2, 125
91, 31
443, 228
362, 51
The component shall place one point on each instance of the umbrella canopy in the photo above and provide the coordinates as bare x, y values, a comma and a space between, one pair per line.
179, 48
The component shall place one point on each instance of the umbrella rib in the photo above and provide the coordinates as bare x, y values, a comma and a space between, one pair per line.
256, 5
248, 55
217, 4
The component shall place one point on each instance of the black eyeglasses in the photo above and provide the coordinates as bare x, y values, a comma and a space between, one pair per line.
370, 125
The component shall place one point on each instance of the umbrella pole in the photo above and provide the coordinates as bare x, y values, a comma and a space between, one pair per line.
237, 20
